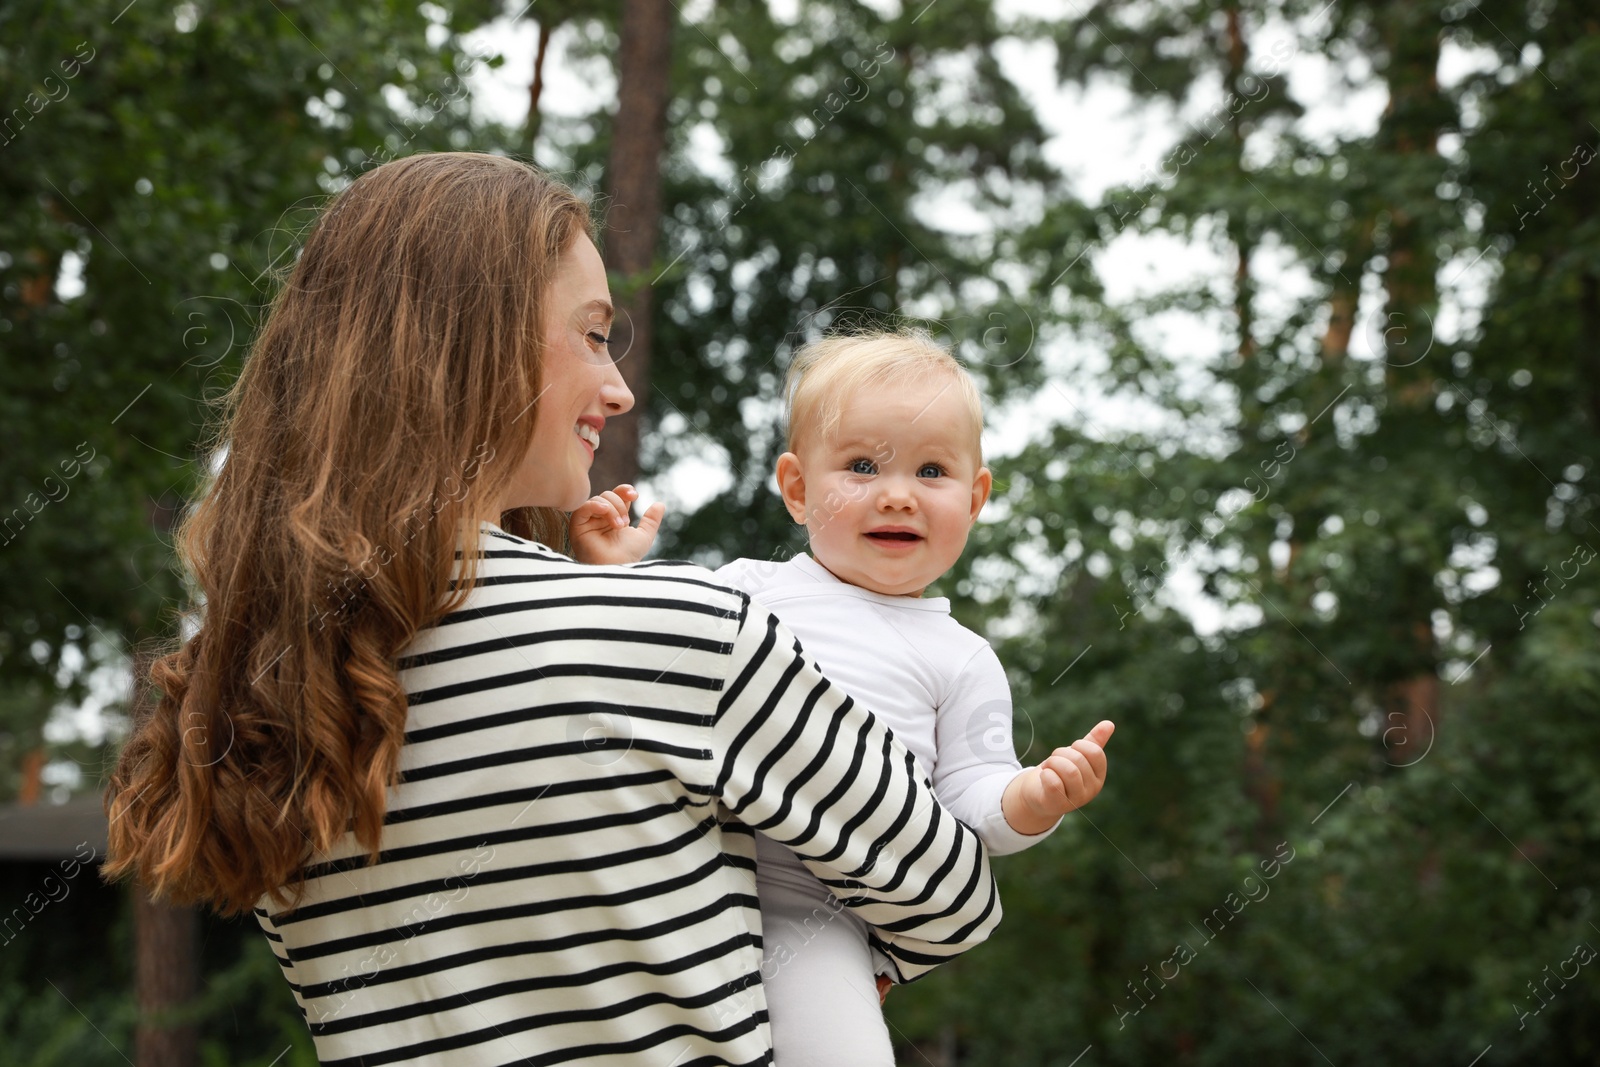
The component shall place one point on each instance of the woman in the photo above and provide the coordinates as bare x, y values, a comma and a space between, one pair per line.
493, 806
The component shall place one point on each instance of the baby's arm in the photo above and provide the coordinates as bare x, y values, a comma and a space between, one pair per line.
977, 776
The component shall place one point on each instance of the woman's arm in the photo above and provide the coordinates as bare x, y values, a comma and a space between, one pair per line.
803, 763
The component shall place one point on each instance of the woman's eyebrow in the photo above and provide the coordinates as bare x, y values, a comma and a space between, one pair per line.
605, 310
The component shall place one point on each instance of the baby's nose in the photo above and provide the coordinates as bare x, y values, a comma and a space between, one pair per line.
896, 495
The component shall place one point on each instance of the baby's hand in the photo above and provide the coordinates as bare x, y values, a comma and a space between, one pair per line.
600, 533
1067, 780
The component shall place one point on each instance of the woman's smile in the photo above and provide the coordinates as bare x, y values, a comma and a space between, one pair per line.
588, 431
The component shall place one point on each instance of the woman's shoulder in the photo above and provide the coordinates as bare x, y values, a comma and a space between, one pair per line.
526, 593
505, 558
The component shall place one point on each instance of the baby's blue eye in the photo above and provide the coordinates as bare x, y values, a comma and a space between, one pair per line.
863, 466
930, 470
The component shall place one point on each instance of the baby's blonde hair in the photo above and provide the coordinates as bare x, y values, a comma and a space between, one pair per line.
825, 371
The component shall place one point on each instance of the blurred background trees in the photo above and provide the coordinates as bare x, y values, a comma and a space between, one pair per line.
1305, 505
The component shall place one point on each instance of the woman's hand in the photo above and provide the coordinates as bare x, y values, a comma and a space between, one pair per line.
599, 530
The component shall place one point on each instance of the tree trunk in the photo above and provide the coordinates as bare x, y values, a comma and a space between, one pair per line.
536, 89
1238, 228
1588, 354
166, 941
1410, 128
1346, 294
32, 778
633, 220
1262, 783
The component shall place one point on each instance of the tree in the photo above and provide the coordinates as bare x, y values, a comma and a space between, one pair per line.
1363, 803
633, 213
829, 153
1372, 702
149, 199
149, 164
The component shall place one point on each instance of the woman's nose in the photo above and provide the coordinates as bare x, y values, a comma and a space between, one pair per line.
614, 392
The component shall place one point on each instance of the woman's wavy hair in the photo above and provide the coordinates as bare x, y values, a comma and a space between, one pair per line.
381, 414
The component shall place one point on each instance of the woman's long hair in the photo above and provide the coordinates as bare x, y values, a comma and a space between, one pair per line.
387, 402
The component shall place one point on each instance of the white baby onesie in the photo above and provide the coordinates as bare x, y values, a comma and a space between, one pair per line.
942, 691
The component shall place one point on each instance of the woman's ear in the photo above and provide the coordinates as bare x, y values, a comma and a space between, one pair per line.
981, 485
792, 484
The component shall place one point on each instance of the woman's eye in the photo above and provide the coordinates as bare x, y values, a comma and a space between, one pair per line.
930, 470
598, 339
863, 466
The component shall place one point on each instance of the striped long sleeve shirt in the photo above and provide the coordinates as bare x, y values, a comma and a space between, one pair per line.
567, 871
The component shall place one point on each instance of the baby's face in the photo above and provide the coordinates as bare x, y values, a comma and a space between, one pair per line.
889, 501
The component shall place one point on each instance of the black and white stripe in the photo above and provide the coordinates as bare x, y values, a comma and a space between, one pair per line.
567, 871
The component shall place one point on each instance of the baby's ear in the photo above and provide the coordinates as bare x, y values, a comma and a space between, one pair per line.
792, 484
981, 485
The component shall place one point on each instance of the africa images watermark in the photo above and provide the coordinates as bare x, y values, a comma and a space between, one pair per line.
1256, 88
1182, 954
818, 119
415, 922
1581, 156
783, 950
1582, 954
54, 489
1230, 504
342, 592
55, 887
1587, 554
53, 91
339, 596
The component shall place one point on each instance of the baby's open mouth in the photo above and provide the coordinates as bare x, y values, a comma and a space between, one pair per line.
894, 535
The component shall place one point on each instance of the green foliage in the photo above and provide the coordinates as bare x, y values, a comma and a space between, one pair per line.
833, 134
172, 154
1393, 660
1383, 477
180, 155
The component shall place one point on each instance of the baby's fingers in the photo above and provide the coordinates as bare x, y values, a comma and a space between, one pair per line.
650, 521
595, 510
1079, 779
1046, 791
1092, 754
616, 505
1063, 770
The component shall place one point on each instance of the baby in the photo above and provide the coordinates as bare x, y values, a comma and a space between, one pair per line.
885, 471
